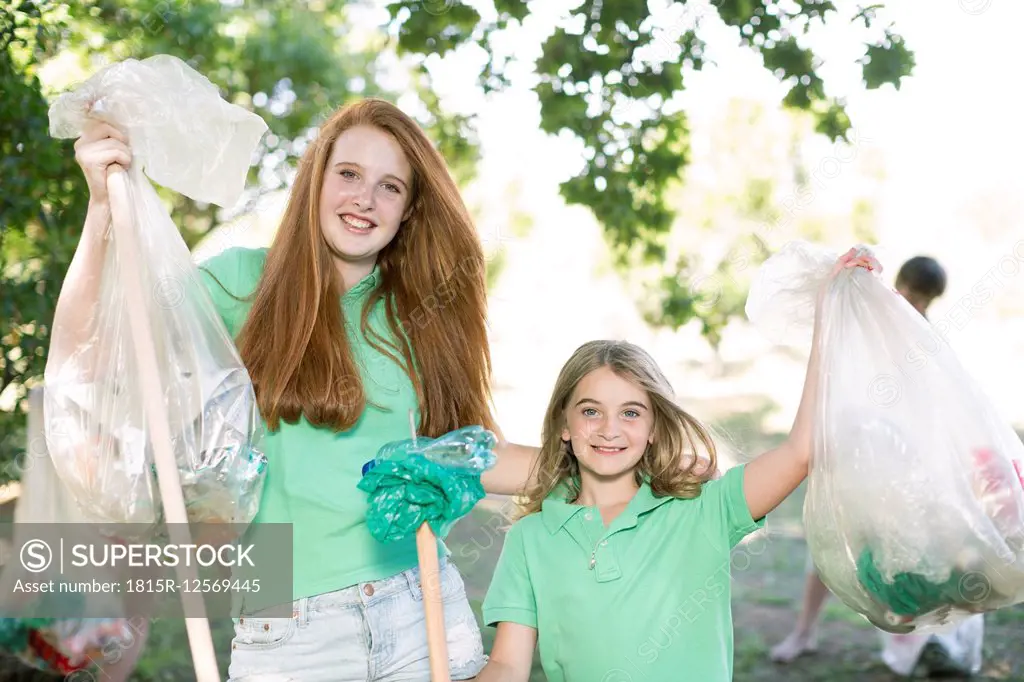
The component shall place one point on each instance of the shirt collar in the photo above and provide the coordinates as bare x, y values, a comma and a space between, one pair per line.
556, 511
364, 286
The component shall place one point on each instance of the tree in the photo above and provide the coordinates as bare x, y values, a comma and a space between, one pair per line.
607, 74
42, 201
744, 195
291, 63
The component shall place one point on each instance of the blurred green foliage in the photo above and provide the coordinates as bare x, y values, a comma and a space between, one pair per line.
605, 75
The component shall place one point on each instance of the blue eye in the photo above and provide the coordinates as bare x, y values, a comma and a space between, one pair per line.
391, 188
632, 412
589, 411
347, 174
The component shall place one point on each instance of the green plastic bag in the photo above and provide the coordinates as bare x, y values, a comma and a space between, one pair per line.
909, 594
434, 481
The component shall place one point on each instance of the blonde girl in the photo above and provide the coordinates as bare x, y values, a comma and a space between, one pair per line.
619, 569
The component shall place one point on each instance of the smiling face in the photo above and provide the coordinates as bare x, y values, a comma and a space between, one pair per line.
609, 421
365, 195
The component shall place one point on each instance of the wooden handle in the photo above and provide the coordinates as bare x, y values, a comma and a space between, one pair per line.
433, 607
200, 640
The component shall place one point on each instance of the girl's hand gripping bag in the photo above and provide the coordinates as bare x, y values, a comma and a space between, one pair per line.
186, 138
914, 511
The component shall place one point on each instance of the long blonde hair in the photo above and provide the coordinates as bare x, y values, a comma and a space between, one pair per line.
676, 434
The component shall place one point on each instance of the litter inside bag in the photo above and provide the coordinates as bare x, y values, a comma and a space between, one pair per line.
915, 505
63, 646
59, 645
435, 481
185, 137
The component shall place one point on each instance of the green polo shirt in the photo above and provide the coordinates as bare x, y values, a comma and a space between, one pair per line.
646, 598
312, 472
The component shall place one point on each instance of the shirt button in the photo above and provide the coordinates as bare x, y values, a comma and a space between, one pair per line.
604, 543
368, 590
588, 516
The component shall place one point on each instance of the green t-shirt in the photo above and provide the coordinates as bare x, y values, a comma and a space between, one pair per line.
646, 598
312, 472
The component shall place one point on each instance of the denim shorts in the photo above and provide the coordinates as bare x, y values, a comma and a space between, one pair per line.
370, 632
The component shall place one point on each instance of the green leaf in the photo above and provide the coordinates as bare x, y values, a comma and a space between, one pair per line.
888, 62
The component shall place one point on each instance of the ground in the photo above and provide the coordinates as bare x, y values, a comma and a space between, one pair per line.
765, 604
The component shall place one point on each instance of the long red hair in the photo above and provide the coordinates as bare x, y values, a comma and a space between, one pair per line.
432, 283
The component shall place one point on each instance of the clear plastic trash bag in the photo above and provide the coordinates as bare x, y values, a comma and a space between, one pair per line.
915, 505
431, 480
185, 137
58, 645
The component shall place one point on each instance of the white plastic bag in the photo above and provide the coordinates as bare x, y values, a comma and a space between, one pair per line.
915, 507
184, 136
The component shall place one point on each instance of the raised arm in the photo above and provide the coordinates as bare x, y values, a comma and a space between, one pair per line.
773, 476
511, 658
75, 317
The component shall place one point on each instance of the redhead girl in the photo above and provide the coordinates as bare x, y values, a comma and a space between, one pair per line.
370, 302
